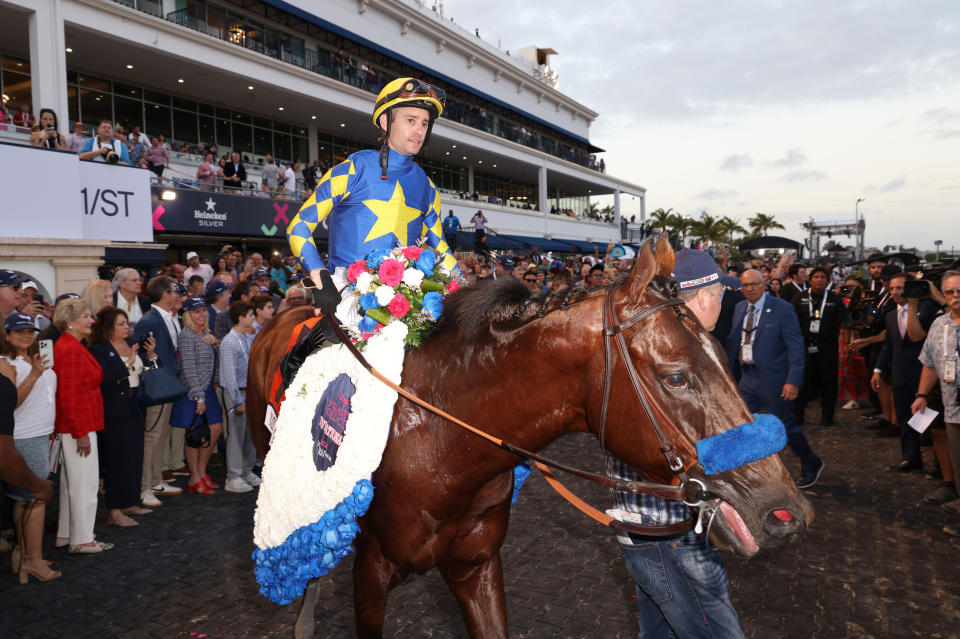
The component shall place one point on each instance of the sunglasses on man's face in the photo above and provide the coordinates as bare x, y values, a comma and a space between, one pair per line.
950, 292
529, 279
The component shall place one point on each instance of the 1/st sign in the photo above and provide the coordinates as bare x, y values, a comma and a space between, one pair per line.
115, 202
106, 202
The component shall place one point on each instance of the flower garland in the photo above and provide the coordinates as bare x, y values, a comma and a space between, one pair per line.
403, 284
305, 520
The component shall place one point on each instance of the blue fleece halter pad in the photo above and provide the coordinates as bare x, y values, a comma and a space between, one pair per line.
746, 443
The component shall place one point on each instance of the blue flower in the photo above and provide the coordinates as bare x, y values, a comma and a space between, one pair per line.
369, 301
367, 325
377, 256
426, 262
433, 304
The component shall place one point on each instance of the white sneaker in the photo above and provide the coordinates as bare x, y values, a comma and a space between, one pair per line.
252, 480
237, 486
164, 490
851, 405
148, 500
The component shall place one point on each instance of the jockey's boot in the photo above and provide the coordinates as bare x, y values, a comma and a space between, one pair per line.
320, 336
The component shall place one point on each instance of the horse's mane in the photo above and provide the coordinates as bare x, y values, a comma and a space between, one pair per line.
496, 302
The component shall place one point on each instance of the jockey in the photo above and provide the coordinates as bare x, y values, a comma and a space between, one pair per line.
375, 199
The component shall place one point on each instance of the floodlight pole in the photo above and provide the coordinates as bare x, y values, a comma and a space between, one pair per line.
860, 227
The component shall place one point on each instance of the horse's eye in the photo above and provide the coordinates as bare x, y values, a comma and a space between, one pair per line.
676, 380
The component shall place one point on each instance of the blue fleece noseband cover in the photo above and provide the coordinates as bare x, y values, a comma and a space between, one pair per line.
741, 445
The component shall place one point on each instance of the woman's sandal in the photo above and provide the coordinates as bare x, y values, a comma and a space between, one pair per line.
91, 548
122, 521
15, 560
210, 483
200, 488
136, 510
43, 573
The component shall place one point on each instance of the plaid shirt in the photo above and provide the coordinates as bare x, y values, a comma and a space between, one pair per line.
156, 155
645, 509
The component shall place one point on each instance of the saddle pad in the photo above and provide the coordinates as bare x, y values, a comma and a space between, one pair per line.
330, 435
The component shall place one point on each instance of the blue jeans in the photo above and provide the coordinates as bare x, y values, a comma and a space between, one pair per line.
682, 590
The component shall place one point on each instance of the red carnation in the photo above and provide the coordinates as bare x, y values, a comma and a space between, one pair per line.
412, 253
355, 269
453, 286
399, 306
391, 272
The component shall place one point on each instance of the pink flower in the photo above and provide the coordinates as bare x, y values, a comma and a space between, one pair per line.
355, 269
412, 253
399, 306
453, 286
391, 272
366, 335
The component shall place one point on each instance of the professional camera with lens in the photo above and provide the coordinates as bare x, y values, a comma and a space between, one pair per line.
863, 306
916, 289
109, 155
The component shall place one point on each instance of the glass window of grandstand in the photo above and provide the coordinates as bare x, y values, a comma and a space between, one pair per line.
150, 6
15, 85
184, 123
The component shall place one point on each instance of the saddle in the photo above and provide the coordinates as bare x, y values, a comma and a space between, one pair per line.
306, 338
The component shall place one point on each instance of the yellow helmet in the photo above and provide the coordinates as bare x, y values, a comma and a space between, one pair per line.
410, 92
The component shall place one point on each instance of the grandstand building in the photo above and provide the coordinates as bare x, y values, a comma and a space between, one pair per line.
296, 79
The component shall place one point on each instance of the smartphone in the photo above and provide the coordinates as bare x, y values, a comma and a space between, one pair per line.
46, 352
143, 342
37, 297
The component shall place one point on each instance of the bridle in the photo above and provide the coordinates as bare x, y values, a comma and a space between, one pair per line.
691, 491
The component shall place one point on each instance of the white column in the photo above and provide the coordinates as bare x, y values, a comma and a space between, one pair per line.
643, 207
616, 207
470, 188
48, 63
542, 195
313, 151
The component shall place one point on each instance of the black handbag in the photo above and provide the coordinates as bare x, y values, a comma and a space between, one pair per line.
160, 386
197, 435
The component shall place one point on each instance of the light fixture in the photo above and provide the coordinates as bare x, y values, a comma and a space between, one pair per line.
168, 195
464, 157
453, 146
129, 66
448, 152
279, 108
479, 161
180, 80
313, 117
69, 50
250, 87
343, 124
494, 166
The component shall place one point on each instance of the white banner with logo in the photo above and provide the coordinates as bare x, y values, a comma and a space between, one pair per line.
115, 202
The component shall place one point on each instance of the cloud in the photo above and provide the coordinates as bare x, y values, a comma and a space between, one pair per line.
940, 116
716, 194
736, 162
794, 157
803, 176
949, 187
892, 185
945, 134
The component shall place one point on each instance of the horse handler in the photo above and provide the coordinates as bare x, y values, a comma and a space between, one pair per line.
682, 584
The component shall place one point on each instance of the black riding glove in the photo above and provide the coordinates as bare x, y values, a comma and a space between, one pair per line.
326, 296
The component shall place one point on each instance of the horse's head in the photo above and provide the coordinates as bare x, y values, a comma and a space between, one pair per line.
691, 393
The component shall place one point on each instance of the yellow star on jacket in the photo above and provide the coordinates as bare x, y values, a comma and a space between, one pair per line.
364, 212
393, 216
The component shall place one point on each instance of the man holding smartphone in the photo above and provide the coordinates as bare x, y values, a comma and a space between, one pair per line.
31, 303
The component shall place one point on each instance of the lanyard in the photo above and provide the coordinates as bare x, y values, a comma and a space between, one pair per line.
946, 336
823, 305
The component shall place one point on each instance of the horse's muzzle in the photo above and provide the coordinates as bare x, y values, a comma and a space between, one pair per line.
782, 523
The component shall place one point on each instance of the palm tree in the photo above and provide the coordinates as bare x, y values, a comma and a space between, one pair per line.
761, 223
707, 228
660, 219
730, 226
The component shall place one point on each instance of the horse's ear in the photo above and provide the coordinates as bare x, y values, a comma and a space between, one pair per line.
644, 268
666, 258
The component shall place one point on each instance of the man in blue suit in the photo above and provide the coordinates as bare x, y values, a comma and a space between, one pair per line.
160, 321
766, 353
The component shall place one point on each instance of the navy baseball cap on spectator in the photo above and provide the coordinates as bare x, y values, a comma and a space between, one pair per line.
19, 322
65, 296
695, 269
10, 278
260, 272
215, 288
506, 261
193, 303
264, 289
296, 277
180, 289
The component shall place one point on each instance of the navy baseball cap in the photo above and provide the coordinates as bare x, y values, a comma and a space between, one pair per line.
10, 278
296, 277
261, 272
66, 296
215, 288
19, 321
695, 269
506, 261
193, 303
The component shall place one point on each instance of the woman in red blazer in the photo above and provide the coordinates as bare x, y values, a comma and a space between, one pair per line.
79, 415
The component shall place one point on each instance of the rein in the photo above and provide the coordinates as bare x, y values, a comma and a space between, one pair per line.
691, 491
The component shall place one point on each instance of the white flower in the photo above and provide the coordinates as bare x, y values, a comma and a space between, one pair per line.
443, 268
412, 277
384, 295
364, 280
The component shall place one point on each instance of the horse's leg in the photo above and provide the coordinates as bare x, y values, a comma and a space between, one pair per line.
479, 591
373, 578
304, 626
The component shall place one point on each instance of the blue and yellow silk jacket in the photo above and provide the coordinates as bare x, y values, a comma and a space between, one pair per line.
366, 212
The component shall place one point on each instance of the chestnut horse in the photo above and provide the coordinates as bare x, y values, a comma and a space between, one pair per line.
530, 370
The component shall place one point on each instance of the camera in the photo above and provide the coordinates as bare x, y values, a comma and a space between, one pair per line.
112, 157
863, 306
916, 289
143, 342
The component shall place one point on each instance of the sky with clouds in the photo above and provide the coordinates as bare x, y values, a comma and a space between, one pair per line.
794, 109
